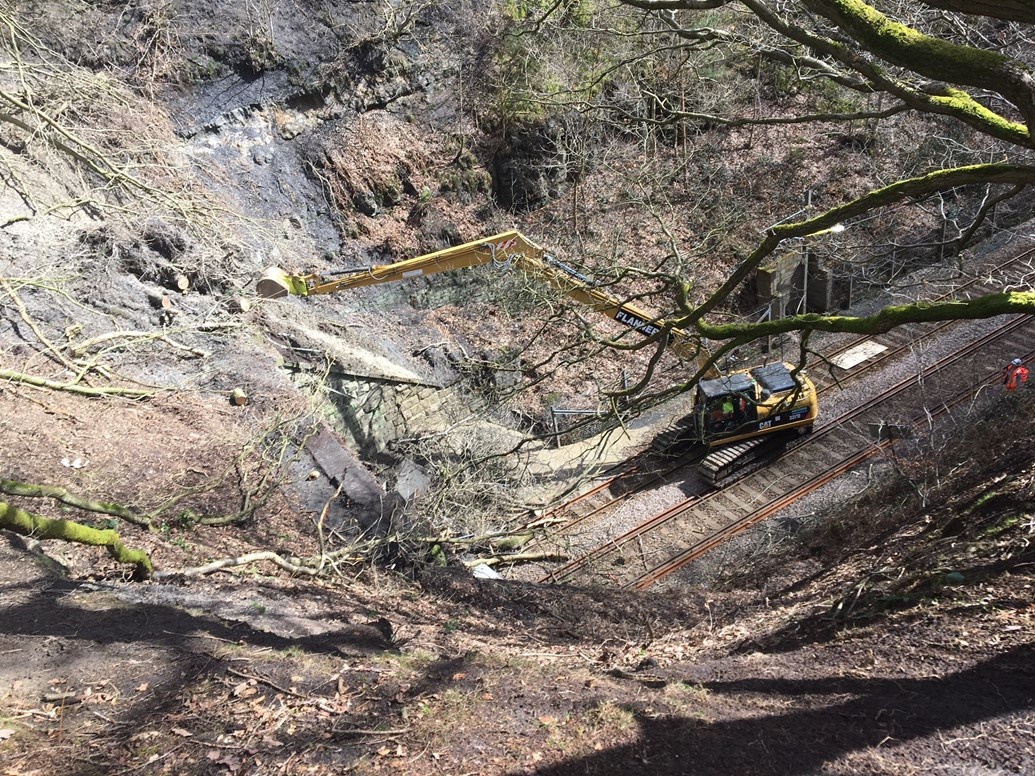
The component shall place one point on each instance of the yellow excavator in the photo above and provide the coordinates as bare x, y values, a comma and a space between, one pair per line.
741, 417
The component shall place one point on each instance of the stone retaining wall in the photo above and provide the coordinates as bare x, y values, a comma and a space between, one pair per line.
375, 412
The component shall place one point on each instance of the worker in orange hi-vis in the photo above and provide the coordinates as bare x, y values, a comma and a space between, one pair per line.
1015, 374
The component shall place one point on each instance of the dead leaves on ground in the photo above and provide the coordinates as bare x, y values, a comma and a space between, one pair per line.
234, 720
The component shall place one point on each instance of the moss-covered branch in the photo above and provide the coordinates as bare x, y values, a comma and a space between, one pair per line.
14, 488
938, 71
38, 527
902, 45
911, 188
863, 29
935, 58
1015, 302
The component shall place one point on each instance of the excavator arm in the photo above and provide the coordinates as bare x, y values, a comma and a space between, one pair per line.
506, 249
743, 416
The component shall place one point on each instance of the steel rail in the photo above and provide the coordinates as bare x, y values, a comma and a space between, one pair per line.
929, 329
1030, 253
723, 535
636, 466
652, 523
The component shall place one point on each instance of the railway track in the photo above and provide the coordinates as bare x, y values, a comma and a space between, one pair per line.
656, 467
666, 542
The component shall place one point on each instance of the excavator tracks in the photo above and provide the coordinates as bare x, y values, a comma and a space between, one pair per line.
724, 464
834, 369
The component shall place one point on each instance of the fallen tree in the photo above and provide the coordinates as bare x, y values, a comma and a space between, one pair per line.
63, 496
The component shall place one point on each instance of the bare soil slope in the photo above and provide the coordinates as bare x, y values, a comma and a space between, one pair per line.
898, 642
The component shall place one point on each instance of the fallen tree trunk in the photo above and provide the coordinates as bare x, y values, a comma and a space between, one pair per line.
38, 527
293, 565
42, 382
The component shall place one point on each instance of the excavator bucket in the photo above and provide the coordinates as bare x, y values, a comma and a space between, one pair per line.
274, 284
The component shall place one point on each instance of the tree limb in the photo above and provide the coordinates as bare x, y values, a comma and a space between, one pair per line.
919, 187
38, 527
41, 382
1011, 302
61, 495
77, 348
932, 57
294, 565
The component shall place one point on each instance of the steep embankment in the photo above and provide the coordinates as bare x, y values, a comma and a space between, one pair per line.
894, 639
899, 641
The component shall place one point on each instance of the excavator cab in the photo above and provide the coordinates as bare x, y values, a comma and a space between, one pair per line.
726, 404
753, 402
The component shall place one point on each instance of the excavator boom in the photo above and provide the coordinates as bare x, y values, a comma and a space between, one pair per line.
751, 410
505, 250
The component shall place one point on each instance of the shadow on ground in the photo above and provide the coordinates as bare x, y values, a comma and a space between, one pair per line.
848, 715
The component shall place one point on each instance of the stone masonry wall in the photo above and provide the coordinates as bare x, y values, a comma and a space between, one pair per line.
376, 412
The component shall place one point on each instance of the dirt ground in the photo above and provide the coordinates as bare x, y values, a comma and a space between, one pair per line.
905, 647
892, 638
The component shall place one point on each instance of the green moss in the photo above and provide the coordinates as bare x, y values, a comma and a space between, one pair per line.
960, 102
938, 59
38, 527
462, 181
984, 498
887, 319
906, 46
1001, 526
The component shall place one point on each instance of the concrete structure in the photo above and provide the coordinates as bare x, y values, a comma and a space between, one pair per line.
796, 282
